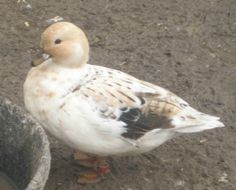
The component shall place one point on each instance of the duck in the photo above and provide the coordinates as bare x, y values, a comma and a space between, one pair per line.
100, 111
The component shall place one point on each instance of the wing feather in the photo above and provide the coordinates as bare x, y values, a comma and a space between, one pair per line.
140, 105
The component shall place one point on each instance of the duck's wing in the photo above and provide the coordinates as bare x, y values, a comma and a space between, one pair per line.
139, 106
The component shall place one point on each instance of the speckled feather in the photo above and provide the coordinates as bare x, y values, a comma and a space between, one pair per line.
141, 105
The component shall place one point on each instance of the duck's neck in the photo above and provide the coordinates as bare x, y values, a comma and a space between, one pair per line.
71, 63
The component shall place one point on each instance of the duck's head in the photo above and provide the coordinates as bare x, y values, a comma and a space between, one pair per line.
66, 44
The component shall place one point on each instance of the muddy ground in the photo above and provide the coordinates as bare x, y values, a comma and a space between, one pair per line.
188, 47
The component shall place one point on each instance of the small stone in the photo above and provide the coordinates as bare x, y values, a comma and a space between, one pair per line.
26, 24
223, 178
213, 55
202, 141
54, 19
28, 6
180, 183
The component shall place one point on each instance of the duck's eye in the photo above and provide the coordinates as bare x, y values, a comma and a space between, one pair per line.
57, 41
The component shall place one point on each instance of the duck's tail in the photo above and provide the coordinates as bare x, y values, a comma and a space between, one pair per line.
192, 121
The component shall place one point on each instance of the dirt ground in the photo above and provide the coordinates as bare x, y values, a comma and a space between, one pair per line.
188, 47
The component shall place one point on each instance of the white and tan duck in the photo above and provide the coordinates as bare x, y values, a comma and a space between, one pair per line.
100, 111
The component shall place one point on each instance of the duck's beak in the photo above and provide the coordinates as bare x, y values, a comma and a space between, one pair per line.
39, 58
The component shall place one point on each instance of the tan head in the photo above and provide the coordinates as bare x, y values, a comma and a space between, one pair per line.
66, 44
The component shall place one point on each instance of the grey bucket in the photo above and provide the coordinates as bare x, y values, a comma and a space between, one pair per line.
24, 148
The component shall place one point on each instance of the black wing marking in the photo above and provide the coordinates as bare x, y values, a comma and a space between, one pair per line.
138, 123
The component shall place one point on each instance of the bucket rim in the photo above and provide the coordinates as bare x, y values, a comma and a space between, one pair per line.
38, 181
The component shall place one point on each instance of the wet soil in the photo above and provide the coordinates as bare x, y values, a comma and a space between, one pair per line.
188, 47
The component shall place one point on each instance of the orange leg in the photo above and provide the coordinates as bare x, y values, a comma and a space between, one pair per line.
98, 168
